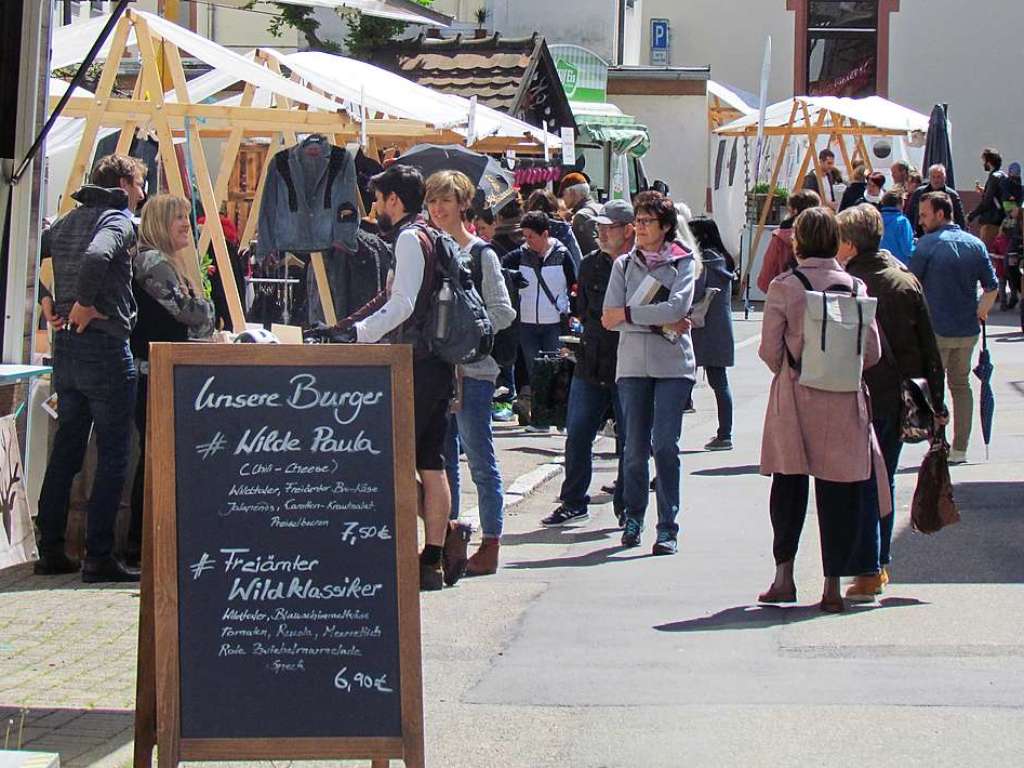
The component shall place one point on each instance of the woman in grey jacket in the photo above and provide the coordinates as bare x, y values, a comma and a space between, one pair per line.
650, 288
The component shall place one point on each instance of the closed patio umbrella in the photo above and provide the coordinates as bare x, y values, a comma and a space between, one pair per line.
983, 370
938, 148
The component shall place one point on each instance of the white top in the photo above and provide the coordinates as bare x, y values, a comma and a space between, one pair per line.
409, 263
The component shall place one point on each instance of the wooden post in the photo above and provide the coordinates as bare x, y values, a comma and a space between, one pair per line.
210, 205
812, 138
150, 73
838, 121
254, 213
863, 147
227, 163
124, 141
83, 157
323, 288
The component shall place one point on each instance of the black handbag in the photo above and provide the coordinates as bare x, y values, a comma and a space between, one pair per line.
917, 414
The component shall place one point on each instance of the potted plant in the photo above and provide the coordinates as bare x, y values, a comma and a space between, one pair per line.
757, 196
481, 22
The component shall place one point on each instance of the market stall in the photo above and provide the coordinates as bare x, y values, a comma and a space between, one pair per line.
271, 108
872, 131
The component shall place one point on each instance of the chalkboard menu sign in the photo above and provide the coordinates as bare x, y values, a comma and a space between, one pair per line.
286, 581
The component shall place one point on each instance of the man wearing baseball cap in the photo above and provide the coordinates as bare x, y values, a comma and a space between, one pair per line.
593, 384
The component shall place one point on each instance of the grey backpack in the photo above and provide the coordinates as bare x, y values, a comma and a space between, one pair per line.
836, 321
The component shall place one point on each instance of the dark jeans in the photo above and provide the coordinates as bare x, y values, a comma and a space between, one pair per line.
887, 430
139, 484
652, 412
538, 338
849, 536
588, 405
95, 380
718, 379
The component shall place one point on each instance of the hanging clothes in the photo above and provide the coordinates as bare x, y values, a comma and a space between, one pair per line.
309, 200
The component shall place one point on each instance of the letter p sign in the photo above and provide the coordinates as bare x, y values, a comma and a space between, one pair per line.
659, 41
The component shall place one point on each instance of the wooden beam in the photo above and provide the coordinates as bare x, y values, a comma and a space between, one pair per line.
124, 141
865, 154
227, 164
211, 206
781, 131
254, 213
839, 121
275, 66
812, 150
93, 114
813, 147
150, 73
323, 288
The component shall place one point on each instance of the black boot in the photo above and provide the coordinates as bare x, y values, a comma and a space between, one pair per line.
55, 563
104, 569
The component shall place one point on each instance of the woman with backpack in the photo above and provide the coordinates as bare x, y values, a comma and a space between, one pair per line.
448, 198
650, 288
811, 432
713, 343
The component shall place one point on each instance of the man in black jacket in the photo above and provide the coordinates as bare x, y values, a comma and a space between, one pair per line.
936, 183
989, 212
593, 384
94, 375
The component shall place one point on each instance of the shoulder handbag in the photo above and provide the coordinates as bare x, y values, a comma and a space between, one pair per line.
934, 507
917, 414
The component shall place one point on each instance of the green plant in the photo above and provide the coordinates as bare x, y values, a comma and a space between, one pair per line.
302, 19
481, 16
762, 188
368, 33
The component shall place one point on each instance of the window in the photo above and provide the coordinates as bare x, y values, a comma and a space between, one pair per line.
842, 48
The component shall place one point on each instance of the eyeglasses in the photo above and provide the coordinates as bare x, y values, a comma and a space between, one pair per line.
644, 221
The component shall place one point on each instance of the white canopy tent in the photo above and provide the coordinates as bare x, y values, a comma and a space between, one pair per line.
396, 10
872, 130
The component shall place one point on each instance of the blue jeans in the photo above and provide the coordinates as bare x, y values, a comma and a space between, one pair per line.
588, 404
653, 415
718, 379
887, 430
95, 380
470, 430
538, 338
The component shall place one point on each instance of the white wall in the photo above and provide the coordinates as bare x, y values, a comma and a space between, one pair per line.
729, 35
977, 72
679, 142
590, 23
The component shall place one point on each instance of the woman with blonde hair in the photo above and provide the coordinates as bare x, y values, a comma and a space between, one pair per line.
172, 306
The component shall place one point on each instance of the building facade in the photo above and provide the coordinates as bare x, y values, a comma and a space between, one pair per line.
915, 52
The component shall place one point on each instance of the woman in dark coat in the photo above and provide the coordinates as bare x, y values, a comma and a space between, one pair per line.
713, 345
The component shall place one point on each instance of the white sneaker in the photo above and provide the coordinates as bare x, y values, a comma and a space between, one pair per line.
957, 457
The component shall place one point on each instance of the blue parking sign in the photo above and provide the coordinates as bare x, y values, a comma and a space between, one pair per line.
659, 34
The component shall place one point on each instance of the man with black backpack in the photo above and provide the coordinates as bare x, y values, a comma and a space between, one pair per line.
405, 318
449, 194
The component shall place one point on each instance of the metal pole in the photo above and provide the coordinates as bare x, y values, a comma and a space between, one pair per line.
79, 77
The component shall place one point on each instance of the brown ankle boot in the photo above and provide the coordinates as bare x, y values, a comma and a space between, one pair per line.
485, 561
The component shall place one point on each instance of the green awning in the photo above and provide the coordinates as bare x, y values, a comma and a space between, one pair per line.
622, 132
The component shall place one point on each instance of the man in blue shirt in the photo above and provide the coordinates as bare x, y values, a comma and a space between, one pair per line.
950, 263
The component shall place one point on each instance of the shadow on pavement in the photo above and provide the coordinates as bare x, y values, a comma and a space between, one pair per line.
983, 548
560, 535
80, 736
766, 616
746, 469
20, 578
597, 557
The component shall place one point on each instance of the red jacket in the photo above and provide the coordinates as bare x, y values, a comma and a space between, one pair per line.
778, 255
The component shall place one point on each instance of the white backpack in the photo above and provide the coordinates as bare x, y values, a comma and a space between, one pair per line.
836, 321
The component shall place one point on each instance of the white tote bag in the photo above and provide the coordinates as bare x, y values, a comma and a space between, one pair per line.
17, 539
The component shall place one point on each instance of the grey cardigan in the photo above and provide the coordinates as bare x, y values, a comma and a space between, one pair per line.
643, 351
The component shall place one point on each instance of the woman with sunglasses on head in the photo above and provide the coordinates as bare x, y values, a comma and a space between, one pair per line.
651, 287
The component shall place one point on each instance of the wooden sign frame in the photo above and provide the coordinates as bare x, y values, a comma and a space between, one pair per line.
159, 671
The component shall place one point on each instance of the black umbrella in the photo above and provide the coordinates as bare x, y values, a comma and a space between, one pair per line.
494, 185
938, 148
983, 370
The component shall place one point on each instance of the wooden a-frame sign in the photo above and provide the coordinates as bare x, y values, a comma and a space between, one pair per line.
195, 702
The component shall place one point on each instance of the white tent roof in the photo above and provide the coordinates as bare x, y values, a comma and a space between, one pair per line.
396, 10
873, 112
377, 90
741, 101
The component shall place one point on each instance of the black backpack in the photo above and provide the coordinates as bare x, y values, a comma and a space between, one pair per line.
506, 341
458, 329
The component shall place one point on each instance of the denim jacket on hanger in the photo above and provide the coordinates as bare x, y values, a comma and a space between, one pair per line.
309, 200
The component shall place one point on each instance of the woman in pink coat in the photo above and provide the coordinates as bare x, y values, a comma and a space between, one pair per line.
814, 433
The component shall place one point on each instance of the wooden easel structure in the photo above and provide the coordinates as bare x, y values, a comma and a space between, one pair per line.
839, 129
149, 109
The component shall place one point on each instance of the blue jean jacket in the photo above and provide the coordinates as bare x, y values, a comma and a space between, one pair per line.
307, 204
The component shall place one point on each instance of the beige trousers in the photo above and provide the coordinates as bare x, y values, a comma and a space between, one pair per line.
957, 353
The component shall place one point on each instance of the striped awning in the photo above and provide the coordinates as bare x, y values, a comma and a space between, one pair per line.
621, 131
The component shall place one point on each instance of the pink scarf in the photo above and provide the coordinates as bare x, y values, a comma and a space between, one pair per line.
670, 251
